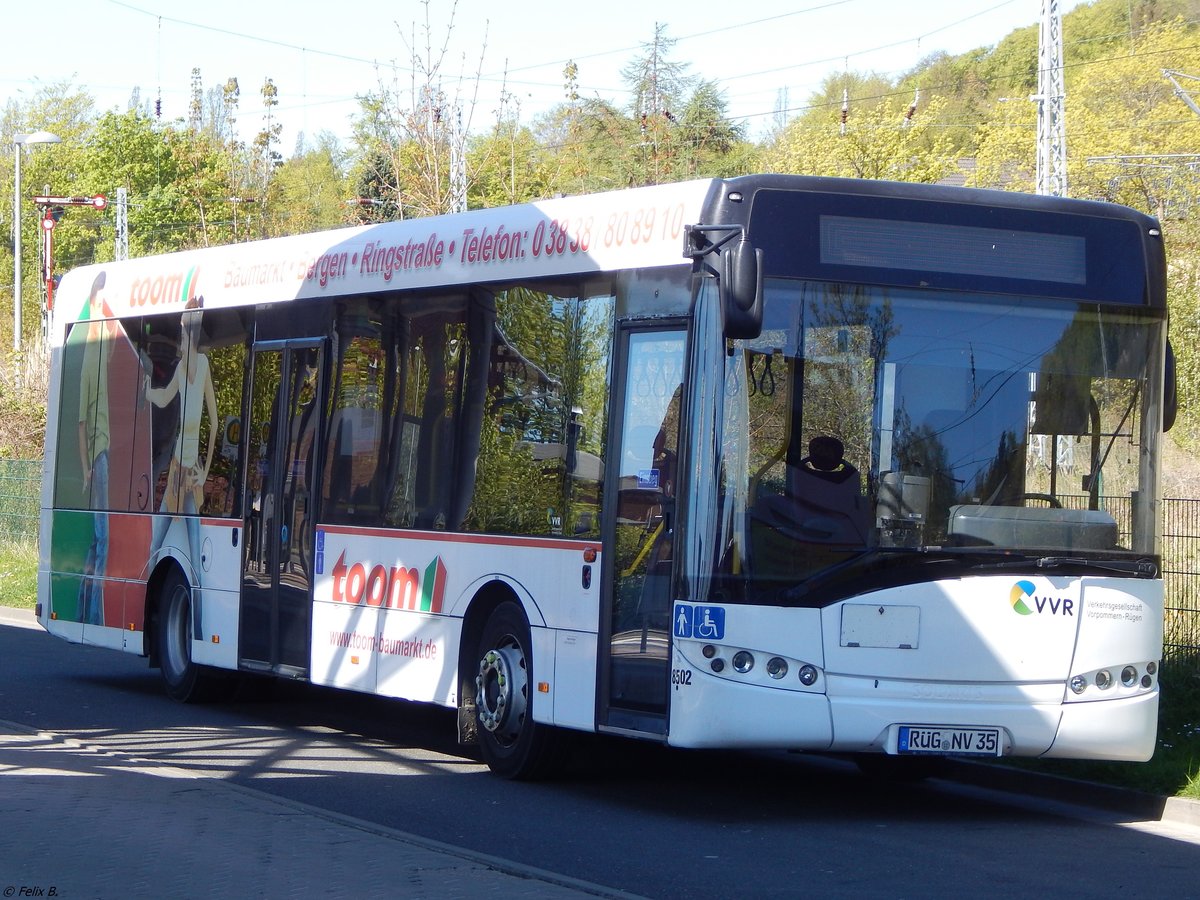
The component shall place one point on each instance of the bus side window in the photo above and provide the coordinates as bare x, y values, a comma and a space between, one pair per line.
420, 474
222, 340
363, 407
225, 341
539, 456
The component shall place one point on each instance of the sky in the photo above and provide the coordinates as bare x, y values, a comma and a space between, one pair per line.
322, 55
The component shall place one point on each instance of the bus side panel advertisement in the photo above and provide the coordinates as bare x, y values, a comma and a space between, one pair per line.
377, 626
630, 229
387, 605
99, 588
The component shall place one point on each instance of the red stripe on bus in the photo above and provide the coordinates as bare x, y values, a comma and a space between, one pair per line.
488, 539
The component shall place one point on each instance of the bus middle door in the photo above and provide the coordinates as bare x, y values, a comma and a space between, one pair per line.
282, 465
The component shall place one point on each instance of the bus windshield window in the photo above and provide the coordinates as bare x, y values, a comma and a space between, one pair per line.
867, 419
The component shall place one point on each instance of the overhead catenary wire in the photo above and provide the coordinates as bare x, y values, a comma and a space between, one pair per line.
308, 49
308, 102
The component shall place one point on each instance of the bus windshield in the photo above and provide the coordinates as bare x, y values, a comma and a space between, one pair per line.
867, 419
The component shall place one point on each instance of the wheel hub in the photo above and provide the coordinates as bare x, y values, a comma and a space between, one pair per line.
501, 692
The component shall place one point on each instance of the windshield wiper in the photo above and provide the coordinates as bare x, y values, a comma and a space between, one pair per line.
1143, 568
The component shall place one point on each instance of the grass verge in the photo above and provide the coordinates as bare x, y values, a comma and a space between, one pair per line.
18, 573
1174, 771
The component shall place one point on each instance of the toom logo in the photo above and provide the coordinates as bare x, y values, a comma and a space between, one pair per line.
161, 290
398, 587
1026, 601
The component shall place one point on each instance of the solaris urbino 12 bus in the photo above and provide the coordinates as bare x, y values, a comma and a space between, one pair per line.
768, 462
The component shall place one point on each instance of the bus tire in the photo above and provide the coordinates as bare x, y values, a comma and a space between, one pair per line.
511, 743
184, 680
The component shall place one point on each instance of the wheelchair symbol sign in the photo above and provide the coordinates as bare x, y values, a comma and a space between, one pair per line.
705, 623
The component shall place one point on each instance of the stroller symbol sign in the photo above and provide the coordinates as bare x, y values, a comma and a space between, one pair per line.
706, 623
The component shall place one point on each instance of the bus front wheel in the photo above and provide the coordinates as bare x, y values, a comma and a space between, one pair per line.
183, 679
512, 744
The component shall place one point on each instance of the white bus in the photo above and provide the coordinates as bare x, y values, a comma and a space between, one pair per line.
768, 462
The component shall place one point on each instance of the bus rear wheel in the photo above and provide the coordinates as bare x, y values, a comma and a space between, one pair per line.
183, 679
512, 744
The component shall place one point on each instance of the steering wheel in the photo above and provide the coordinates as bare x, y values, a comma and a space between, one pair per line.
1049, 498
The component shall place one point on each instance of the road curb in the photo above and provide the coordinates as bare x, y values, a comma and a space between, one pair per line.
1135, 804
22, 618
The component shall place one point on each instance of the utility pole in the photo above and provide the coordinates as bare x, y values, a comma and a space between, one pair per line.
122, 242
458, 165
1051, 125
1183, 95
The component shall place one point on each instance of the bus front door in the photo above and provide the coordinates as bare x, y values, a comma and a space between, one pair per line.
635, 627
282, 463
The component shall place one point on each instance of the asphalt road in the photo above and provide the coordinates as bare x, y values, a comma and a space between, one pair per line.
632, 817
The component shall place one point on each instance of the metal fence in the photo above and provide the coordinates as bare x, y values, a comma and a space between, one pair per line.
20, 491
20, 488
1181, 573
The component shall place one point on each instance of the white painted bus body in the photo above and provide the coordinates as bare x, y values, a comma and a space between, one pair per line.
950, 653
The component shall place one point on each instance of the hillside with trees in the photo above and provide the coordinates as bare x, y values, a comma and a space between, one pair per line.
1132, 138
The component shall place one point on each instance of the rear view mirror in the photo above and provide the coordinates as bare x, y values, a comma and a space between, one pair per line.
739, 274
741, 290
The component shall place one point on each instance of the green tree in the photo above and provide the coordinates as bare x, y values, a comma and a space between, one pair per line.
710, 144
877, 140
1126, 129
509, 165
658, 86
412, 140
588, 146
308, 190
65, 111
265, 157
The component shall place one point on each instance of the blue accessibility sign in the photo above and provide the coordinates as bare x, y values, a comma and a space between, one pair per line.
705, 623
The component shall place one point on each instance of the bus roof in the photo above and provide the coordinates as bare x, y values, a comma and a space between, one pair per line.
634, 228
591, 233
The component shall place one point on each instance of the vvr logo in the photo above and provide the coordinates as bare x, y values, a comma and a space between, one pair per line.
1025, 601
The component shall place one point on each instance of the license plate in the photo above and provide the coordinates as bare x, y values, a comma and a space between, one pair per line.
949, 739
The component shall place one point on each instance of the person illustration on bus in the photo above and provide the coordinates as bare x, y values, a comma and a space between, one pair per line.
187, 473
93, 452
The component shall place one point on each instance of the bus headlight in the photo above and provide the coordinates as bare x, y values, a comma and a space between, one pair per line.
743, 661
1129, 676
1078, 684
1104, 679
777, 667
808, 675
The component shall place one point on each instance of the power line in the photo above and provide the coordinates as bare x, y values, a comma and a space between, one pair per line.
345, 57
187, 23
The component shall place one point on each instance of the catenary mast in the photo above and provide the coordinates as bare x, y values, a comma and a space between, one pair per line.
1051, 127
